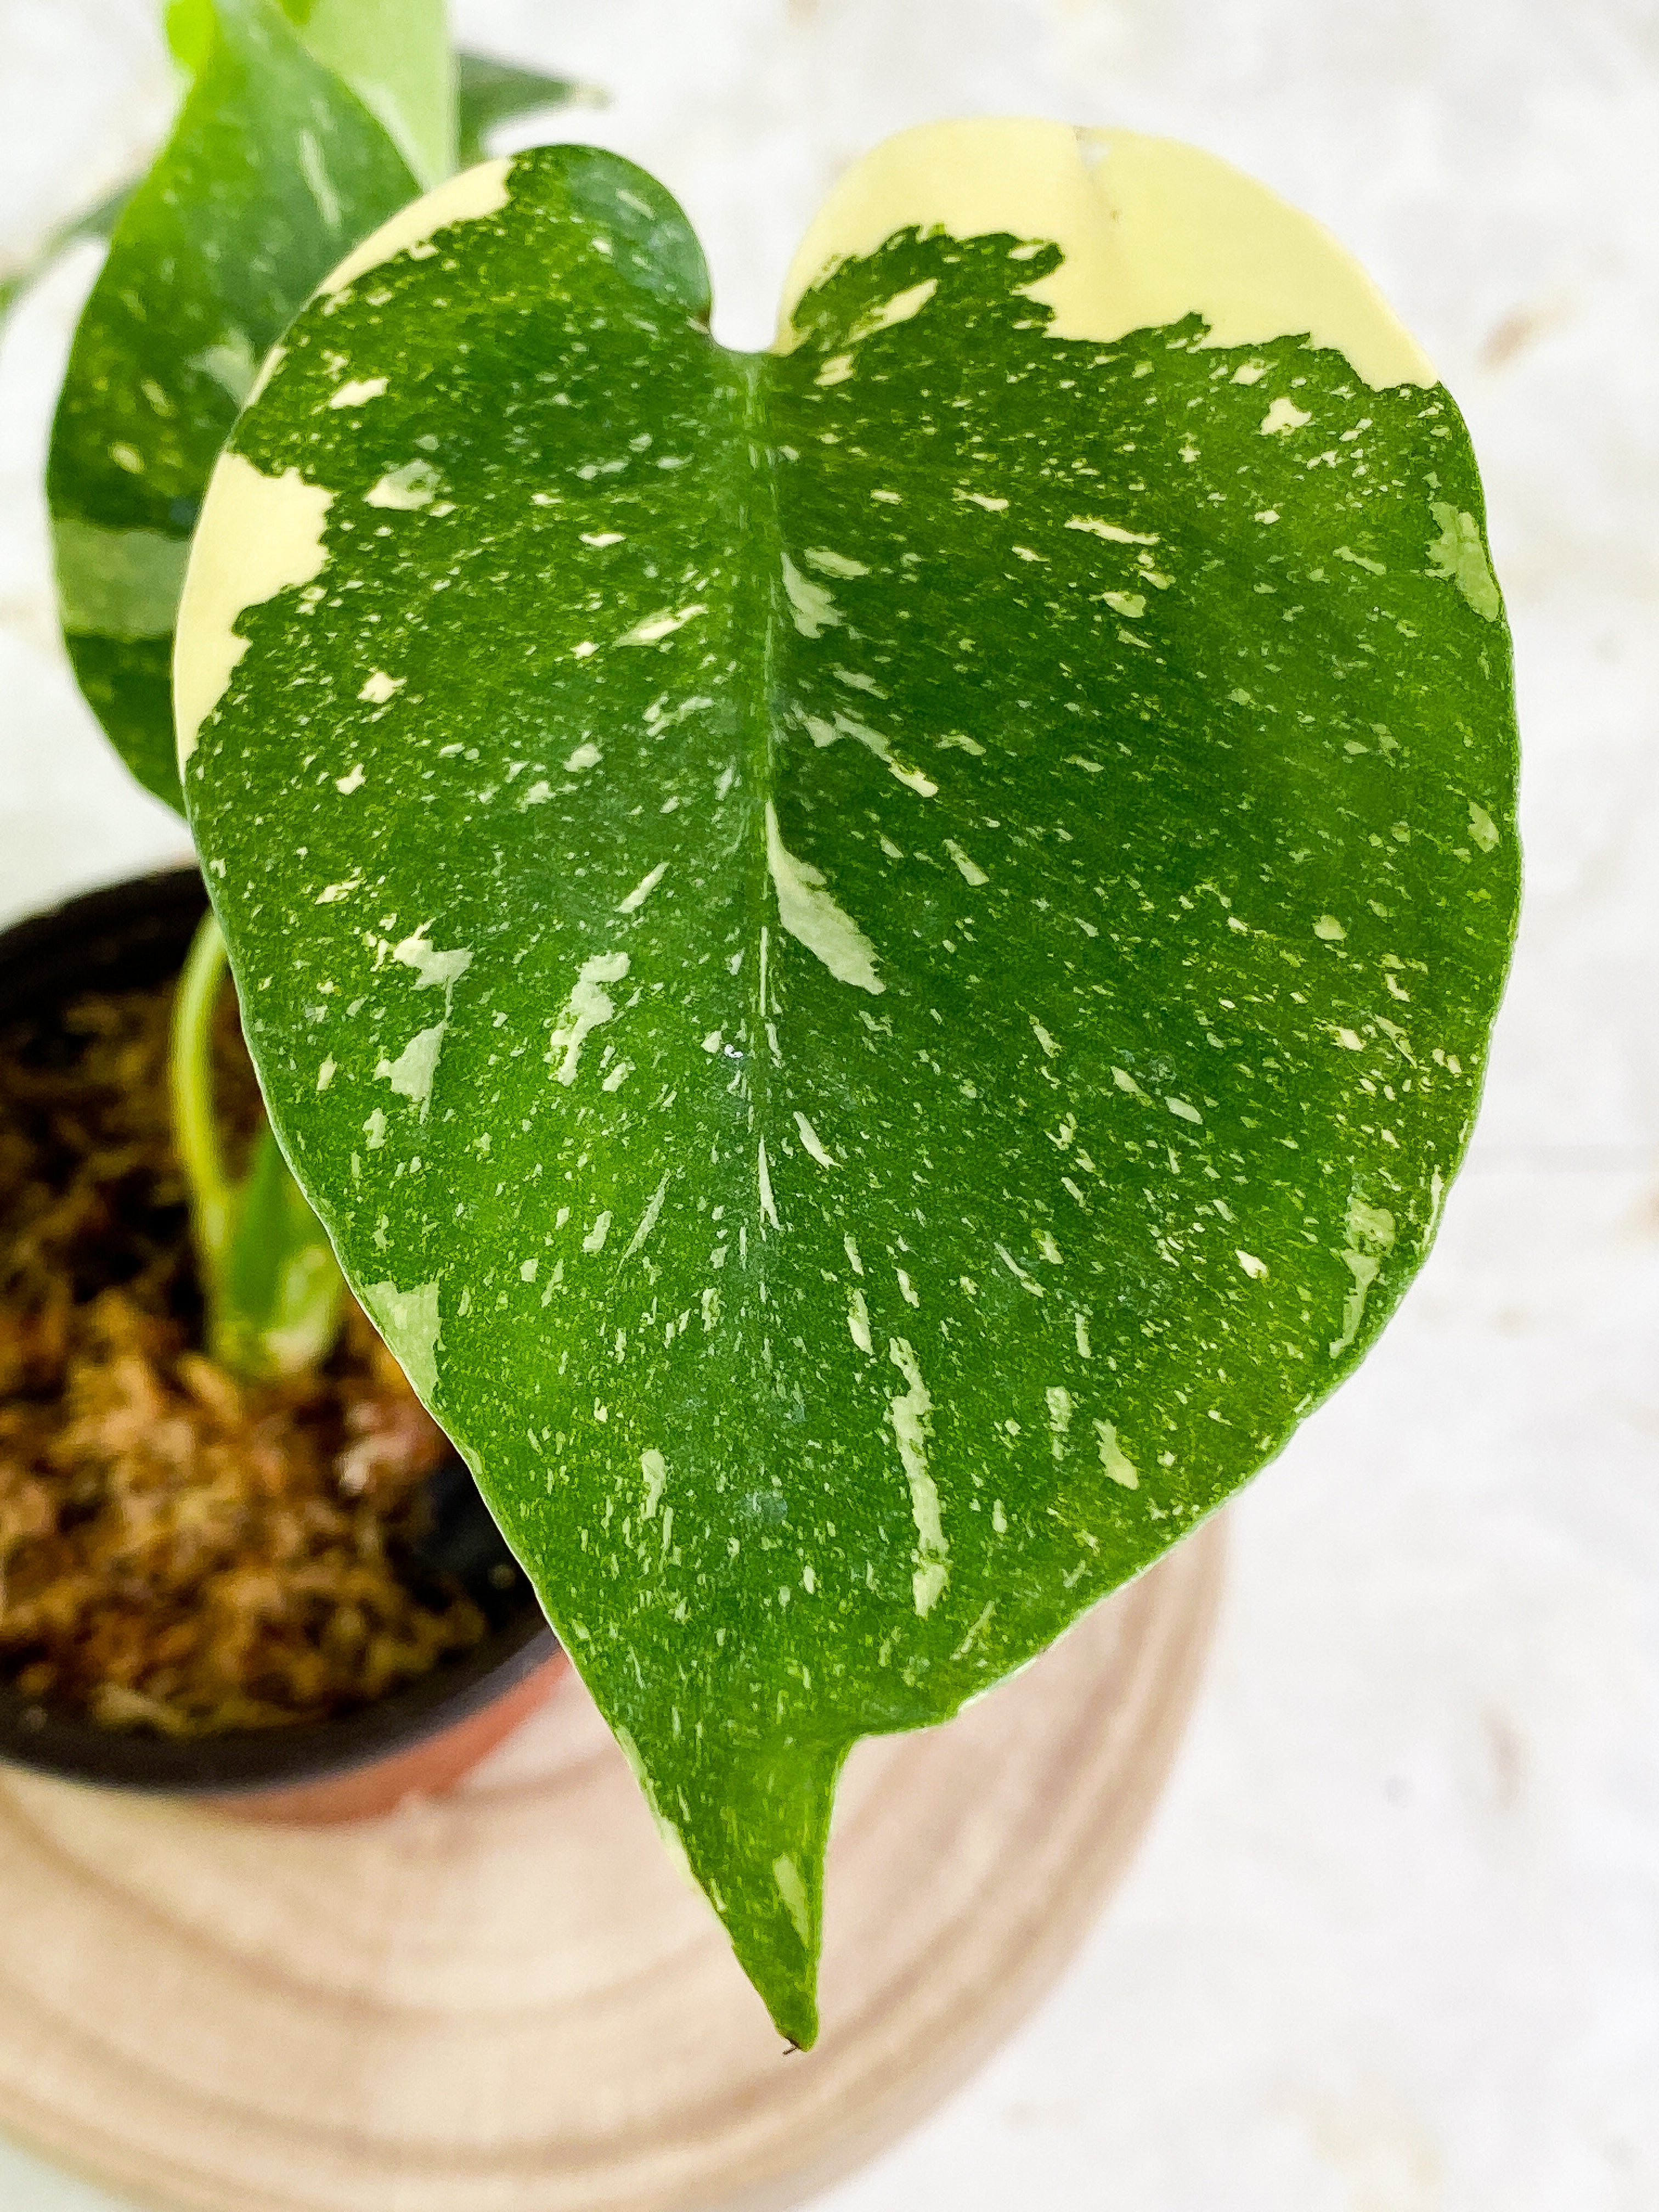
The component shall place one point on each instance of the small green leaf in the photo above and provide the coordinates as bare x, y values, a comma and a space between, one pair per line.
903, 932
95, 222
490, 93
273, 170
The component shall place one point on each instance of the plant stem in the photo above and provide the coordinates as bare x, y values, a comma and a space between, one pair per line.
191, 1074
270, 1283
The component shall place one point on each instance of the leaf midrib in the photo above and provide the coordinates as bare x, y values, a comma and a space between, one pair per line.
757, 613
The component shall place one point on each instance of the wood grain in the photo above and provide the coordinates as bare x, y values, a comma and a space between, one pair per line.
506, 2000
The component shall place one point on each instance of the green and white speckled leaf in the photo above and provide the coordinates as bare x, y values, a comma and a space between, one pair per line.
877, 956
274, 168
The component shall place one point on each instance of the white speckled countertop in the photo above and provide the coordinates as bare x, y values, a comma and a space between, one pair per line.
1393, 1943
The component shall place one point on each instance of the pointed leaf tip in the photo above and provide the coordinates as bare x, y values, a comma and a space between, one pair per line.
750, 1825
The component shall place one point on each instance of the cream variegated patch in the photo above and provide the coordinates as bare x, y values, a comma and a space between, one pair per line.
1152, 231
259, 535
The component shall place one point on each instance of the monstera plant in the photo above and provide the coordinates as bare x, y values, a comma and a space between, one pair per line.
304, 123
876, 955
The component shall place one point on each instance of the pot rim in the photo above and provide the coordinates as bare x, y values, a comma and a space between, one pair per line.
121, 934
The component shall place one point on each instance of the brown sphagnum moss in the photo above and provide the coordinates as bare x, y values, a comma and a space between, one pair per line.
179, 1550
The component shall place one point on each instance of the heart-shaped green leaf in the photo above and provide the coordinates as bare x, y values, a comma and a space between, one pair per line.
876, 955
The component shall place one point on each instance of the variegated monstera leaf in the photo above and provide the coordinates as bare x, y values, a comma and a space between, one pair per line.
877, 956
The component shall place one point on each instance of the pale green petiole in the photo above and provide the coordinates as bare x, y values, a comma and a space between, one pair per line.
271, 1284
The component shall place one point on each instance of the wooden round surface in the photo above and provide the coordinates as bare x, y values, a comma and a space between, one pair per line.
507, 2000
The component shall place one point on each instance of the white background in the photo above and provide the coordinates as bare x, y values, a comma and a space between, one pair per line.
1393, 1943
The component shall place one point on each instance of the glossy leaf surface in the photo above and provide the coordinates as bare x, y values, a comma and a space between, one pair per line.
877, 956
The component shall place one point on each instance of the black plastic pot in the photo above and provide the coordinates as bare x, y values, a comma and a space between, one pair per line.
136, 934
